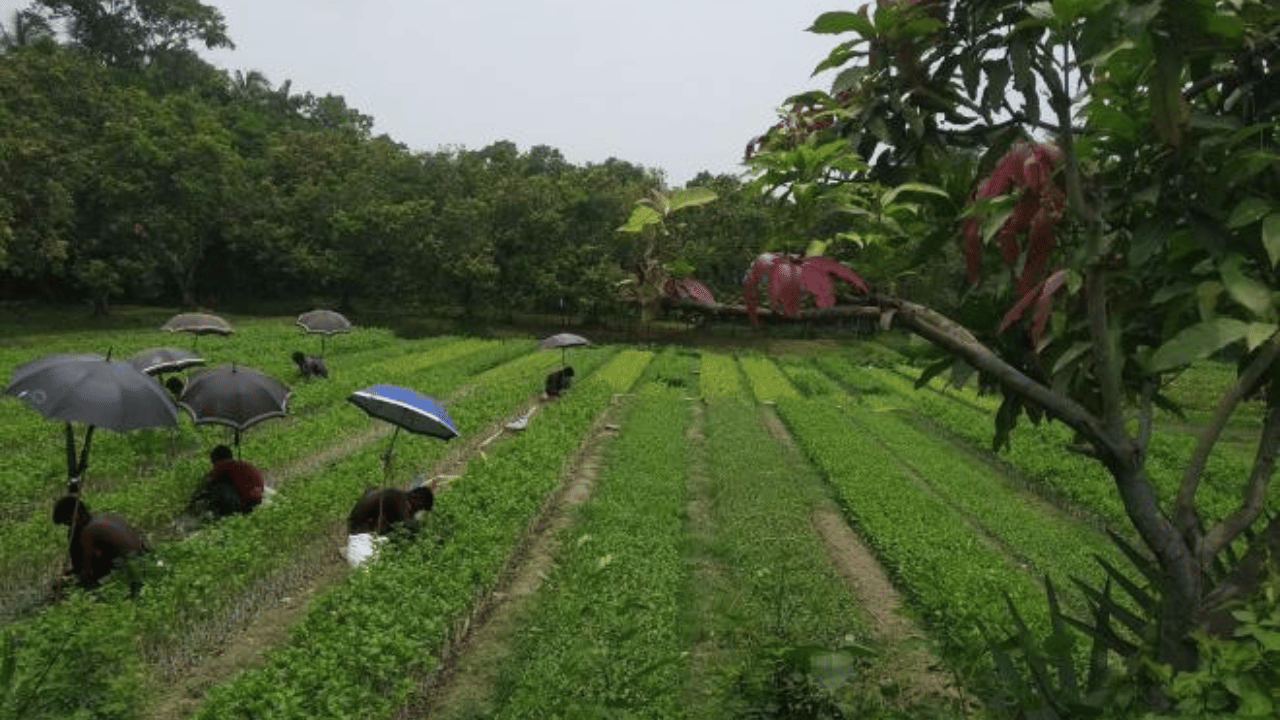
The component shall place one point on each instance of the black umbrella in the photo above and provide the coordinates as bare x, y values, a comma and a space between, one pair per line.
95, 390
563, 341
198, 324
324, 323
234, 395
405, 408
160, 360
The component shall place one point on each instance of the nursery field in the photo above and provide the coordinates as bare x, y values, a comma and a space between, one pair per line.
688, 532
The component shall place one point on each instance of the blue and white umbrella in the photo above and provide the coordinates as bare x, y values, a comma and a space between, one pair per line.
405, 408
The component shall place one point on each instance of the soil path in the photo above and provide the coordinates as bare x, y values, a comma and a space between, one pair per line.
259, 619
462, 685
907, 662
706, 570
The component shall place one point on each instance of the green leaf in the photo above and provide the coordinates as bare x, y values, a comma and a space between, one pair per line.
1253, 295
1259, 333
891, 195
1248, 211
1168, 110
1271, 237
831, 23
1207, 294
1102, 57
1197, 343
690, 197
1070, 356
992, 224
1041, 11
641, 217
1070, 10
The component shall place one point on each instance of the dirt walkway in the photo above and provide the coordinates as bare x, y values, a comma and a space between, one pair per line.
462, 685
259, 619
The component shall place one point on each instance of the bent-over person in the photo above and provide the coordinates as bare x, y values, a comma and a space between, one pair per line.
99, 543
379, 509
559, 381
309, 365
231, 486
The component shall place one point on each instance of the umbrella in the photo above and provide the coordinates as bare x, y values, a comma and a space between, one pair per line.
563, 341
324, 323
404, 408
198, 324
160, 360
95, 390
234, 395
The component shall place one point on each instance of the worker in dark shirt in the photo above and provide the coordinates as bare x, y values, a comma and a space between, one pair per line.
310, 366
378, 510
231, 486
99, 543
559, 381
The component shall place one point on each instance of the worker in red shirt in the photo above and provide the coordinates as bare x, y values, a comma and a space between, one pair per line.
231, 486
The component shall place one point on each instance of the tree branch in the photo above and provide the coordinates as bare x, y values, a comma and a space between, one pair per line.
1145, 412
1255, 493
1184, 514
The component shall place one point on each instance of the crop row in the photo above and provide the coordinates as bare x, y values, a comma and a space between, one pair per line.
1038, 537
952, 573
766, 380
359, 645
719, 377
607, 634
203, 577
773, 584
952, 569
1037, 452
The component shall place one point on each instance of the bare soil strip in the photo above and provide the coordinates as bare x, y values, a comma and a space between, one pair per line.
706, 572
463, 684
907, 663
258, 620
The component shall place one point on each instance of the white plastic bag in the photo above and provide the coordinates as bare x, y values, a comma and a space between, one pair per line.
362, 548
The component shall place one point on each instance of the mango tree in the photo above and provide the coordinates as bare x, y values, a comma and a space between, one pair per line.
1120, 221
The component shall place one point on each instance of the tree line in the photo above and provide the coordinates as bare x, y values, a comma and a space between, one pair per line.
134, 171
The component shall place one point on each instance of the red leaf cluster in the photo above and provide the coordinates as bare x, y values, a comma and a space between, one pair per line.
690, 289
1029, 168
789, 276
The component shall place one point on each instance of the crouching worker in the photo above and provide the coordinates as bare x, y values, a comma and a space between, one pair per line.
310, 366
559, 381
99, 543
378, 510
376, 513
231, 486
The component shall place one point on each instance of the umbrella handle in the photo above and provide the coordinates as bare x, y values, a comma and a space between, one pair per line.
84, 453
386, 456
71, 453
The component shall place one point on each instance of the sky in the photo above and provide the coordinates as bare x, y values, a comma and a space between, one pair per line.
677, 85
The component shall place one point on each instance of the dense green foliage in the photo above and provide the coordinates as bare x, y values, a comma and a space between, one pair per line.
136, 172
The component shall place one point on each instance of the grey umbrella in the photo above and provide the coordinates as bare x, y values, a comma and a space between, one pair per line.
160, 360
198, 324
236, 396
562, 341
95, 390
324, 323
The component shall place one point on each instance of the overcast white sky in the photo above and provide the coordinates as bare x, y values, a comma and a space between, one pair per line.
679, 85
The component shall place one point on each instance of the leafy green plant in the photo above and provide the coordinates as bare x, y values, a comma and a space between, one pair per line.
807, 682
